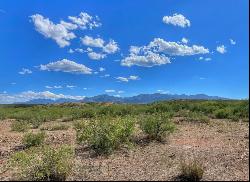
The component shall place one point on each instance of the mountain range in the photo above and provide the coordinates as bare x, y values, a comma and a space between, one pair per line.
138, 99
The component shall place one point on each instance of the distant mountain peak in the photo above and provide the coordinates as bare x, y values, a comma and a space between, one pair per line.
138, 99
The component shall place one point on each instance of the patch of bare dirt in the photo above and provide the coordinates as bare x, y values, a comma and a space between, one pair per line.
221, 146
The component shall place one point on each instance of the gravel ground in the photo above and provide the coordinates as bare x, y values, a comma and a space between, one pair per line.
221, 146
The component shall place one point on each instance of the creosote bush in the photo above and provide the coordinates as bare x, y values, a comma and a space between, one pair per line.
192, 171
20, 126
33, 139
105, 134
156, 126
197, 117
43, 163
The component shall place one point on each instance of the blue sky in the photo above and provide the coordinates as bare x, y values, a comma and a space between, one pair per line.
71, 49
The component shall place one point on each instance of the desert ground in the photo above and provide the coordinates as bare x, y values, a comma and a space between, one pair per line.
221, 146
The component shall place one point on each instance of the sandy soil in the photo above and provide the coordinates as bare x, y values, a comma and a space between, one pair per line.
221, 146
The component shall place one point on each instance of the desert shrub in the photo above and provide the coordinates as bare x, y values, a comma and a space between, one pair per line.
55, 127
192, 171
222, 113
20, 126
105, 134
33, 139
43, 164
197, 117
156, 126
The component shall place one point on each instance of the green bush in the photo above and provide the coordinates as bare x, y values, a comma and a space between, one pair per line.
197, 117
222, 113
105, 134
192, 171
20, 126
43, 164
156, 126
32, 139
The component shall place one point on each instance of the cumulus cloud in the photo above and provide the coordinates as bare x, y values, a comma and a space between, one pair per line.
62, 32
126, 79
177, 20
221, 49
111, 47
184, 40
85, 21
30, 95
96, 56
232, 41
175, 49
92, 42
149, 59
156, 52
59, 32
25, 71
66, 66
105, 48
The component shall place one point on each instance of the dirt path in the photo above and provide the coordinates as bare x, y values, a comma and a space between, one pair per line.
222, 147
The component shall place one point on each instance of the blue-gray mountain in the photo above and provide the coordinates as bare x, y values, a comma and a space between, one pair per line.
139, 99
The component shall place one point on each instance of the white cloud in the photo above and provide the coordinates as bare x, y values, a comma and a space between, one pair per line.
117, 95
105, 76
232, 41
155, 53
53, 87
111, 47
132, 77
149, 59
175, 49
221, 49
85, 21
66, 66
70, 86
101, 69
71, 51
109, 91
85, 88
177, 20
92, 42
120, 92
96, 56
184, 40
13, 83
208, 59
58, 32
30, 95
205, 59
79, 50
25, 71
124, 79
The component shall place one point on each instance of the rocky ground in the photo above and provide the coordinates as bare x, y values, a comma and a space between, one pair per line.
221, 146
